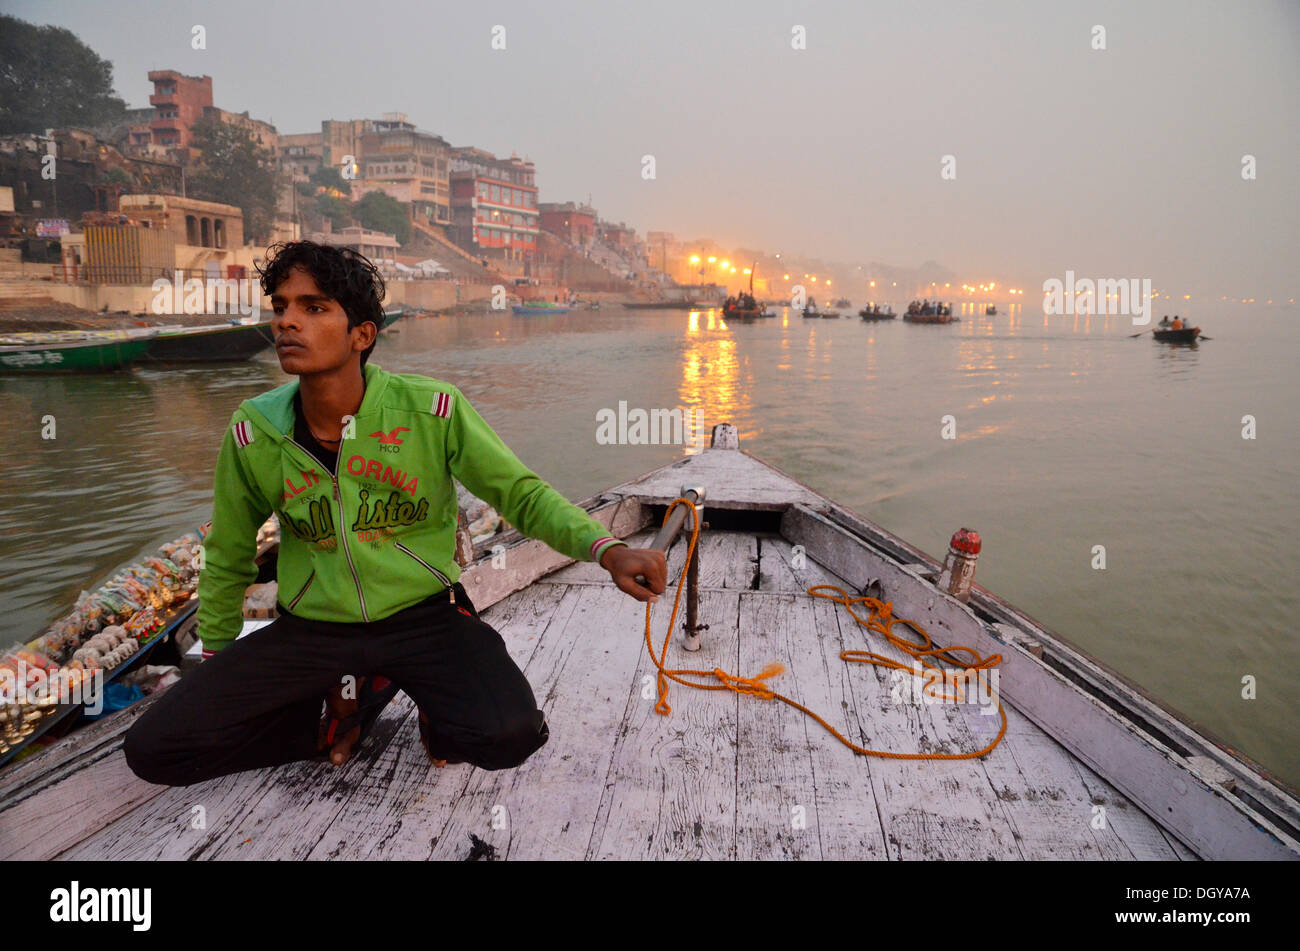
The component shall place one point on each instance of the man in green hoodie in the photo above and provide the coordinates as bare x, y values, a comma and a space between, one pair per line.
358, 465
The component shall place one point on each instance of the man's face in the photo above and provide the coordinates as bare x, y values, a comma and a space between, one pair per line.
311, 330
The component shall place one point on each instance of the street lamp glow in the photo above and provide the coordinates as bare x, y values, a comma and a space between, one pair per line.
726, 264
695, 259
712, 259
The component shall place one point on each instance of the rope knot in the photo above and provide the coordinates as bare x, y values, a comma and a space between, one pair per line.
750, 685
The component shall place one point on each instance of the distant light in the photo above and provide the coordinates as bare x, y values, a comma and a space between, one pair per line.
786, 278
695, 259
726, 264
712, 259
746, 270
873, 283
733, 270
1187, 297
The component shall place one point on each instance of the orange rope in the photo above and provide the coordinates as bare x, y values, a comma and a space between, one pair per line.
880, 619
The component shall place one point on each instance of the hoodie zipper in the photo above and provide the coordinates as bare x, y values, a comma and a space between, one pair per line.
298, 597
342, 529
451, 591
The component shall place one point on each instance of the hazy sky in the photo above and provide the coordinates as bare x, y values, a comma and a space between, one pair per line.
1117, 163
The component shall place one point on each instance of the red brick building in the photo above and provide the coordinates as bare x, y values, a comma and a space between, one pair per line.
494, 204
574, 223
179, 101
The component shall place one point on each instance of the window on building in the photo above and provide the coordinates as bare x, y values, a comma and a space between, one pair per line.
496, 192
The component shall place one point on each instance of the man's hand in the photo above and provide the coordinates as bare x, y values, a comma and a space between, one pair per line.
624, 563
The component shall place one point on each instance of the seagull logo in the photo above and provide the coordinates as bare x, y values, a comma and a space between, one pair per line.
391, 438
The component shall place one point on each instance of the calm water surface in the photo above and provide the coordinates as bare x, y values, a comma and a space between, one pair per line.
1069, 435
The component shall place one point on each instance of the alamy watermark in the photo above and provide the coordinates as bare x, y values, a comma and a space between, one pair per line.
213, 295
1127, 296
655, 427
35, 686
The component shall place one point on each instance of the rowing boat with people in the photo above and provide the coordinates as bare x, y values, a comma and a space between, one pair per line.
1022, 743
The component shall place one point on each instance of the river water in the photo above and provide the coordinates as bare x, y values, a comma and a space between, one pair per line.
1068, 435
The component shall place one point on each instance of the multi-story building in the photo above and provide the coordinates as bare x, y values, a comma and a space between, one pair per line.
263, 133
379, 247
620, 237
342, 138
494, 205
179, 101
300, 154
575, 223
409, 165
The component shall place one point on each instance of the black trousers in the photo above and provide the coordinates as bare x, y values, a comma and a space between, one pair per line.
259, 701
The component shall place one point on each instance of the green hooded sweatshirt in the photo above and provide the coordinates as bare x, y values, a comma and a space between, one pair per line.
379, 534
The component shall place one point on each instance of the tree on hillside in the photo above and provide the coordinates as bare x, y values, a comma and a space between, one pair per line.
329, 176
380, 212
235, 170
336, 210
49, 79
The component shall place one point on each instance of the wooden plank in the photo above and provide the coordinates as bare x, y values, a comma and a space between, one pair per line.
1143, 838
581, 672
733, 479
525, 560
402, 814
776, 794
65, 812
802, 793
1150, 774
929, 809
777, 571
1048, 803
170, 826
670, 792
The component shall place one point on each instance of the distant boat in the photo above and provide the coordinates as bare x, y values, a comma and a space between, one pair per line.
843, 302
667, 305
222, 343
991, 310
935, 313
868, 313
542, 307
1185, 335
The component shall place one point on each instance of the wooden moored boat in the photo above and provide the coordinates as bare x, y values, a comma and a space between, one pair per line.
211, 344
84, 356
1184, 335
717, 776
544, 307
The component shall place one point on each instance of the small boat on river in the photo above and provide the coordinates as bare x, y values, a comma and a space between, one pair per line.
875, 313
1185, 335
535, 308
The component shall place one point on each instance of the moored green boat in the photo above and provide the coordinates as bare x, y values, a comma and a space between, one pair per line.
92, 356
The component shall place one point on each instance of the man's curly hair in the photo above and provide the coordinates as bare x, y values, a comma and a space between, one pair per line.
342, 273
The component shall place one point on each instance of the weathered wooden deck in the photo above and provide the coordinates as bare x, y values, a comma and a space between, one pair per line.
723, 776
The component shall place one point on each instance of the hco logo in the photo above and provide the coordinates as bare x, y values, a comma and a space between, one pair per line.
388, 442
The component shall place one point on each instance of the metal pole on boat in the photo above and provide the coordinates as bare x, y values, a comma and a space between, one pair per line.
663, 541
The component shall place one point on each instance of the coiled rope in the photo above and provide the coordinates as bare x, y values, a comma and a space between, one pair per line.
880, 619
